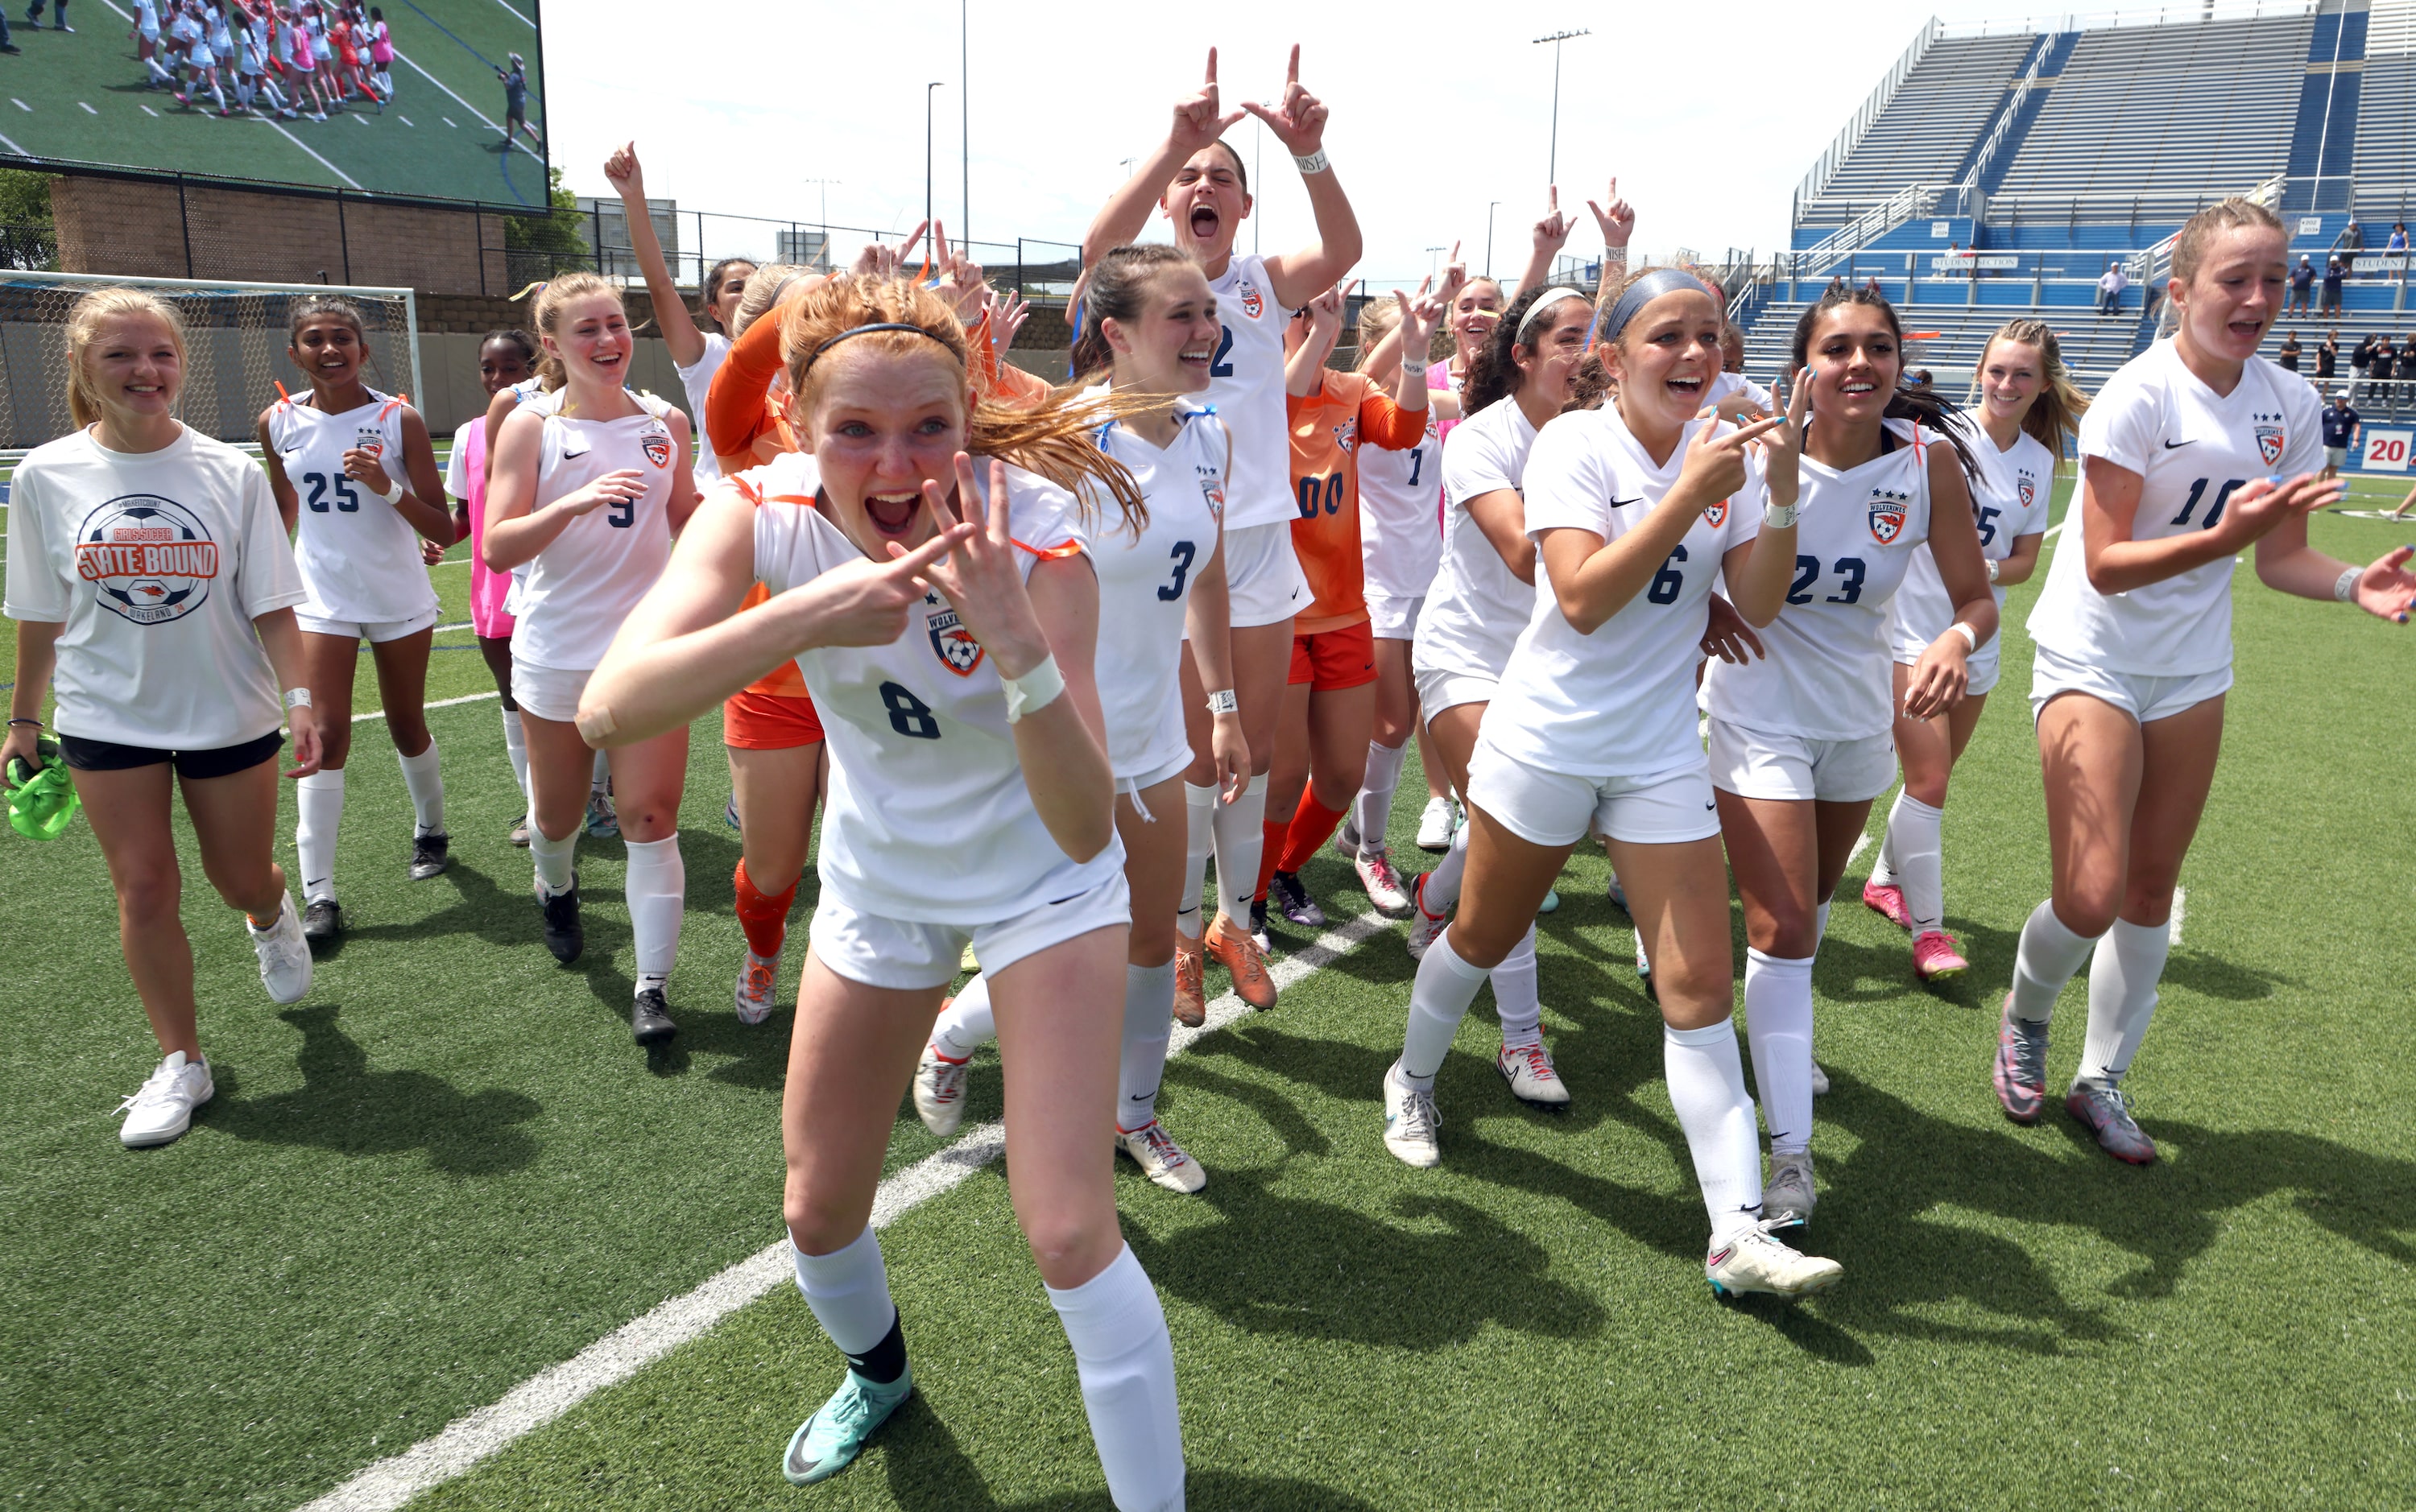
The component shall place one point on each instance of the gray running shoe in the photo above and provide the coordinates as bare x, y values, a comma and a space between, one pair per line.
1788, 1196
2020, 1074
2102, 1108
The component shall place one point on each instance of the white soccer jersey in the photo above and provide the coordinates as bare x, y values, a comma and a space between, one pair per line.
2008, 502
1724, 384
146, 19
1145, 584
1245, 388
154, 564
697, 379
1619, 702
1477, 606
359, 557
587, 579
2192, 447
929, 817
1827, 675
1400, 515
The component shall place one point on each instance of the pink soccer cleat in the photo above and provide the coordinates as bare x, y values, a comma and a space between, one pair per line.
1935, 957
1886, 900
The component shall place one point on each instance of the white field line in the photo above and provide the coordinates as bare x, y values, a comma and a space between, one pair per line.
389, 1483
20, 105
88, 109
523, 19
2181, 912
1862, 842
436, 703
2052, 531
463, 103
289, 136
14, 148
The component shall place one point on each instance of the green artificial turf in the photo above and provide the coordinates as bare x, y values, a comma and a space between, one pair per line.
450, 1168
81, 96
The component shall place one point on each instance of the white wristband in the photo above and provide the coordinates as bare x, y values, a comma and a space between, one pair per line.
393, 494
2345, 587
1992, 569
1416, 372
1316, 162
1035, 689
1970, 636
1223, 701
1780, 517
297, 698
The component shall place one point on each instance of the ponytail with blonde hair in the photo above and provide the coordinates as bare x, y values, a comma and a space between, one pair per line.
2054, 417
763, 289
1054, 438
557, 292
85, 319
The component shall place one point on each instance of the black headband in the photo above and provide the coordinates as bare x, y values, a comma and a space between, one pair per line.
861, 330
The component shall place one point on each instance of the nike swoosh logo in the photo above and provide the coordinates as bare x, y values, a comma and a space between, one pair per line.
2177, 445
1623, 503
1714, 803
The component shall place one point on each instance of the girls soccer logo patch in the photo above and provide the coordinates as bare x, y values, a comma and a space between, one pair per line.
1212, 492
367, 440
1887, 511
2028, 488
149, 560
955, 647
657, 445
1253, 304
1718, 515
2269, 440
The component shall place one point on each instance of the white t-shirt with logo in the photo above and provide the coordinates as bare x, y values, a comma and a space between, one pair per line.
1246, 389
156, 563
929, 817
2192, 448
1619, 701
2010, 501
1827, 675
1477, 606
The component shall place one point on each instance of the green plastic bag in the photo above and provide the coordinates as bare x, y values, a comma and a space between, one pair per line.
41, 804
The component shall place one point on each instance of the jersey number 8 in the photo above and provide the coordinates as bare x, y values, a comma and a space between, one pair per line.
909, 717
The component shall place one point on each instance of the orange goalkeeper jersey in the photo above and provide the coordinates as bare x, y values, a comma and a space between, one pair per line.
1327, 429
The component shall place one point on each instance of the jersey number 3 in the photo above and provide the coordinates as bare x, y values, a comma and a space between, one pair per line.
1182, 553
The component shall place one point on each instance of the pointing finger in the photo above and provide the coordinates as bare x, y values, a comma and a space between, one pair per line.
1555, 199
1291, 72
1211, 68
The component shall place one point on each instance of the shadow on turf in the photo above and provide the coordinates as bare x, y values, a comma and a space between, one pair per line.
344, 1106
929, 1473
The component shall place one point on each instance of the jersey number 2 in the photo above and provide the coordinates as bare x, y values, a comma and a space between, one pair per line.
1218, 366
909, 717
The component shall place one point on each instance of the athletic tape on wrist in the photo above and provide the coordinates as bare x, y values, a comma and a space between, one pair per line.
1224, 702
1035, 690
297, 698
1316, 162
2345, 587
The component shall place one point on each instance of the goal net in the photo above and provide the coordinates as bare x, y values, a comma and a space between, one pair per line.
234, 348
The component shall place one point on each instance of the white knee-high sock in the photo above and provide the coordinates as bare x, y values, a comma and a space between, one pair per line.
425, 782
516, 748
656, 888
1125, 1364
1778, 1026
551, 858
1820, 927
1149, 1023
2043, 962
1439, 999
1442, 883
319, 804
1912, 834
1707, 1090
1515, 997
966, 1023
1373, 809
1198, 837
602, 774
2122, 975
1883, 865
849, 1292
1240, 837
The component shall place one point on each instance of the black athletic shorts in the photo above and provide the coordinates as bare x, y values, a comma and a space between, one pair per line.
222, 762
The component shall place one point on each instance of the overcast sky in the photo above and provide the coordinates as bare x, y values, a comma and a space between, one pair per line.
1708, 117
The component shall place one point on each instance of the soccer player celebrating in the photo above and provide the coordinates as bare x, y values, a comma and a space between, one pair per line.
152, 588
588, 485
356, 479
927, 565
2029, 408
1197, 181
2195, 451
504, 358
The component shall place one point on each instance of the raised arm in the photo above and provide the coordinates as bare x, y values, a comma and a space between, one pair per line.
1551, 233
1298, 121
1198, 122
686, 343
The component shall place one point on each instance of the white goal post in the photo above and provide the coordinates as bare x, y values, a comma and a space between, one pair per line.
235, 345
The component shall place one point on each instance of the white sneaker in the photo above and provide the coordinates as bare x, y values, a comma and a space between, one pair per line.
284, 959
1161, 1158
1425, 928
1820, 1081
164, 1109
1385, 889
756, 992
1757, 1262
1529, 1071
1435, 826
1410, 1121
940, 1091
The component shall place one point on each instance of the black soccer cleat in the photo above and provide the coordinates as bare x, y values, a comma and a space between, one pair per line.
650, 1019
563, 934
429, 854
323, 919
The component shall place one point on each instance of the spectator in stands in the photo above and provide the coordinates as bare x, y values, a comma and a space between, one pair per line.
2328, 356
2380, 364
2340, 433
2397, 245
2335, 271
1871, 287
1837, 284
2361, 359
2288, 356
2352, 241
2110, 287
2302, 285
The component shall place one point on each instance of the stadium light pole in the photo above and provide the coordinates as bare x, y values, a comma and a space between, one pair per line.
1491, 205
825, 184
927, 159
1434, 261
965, 117
1552, 174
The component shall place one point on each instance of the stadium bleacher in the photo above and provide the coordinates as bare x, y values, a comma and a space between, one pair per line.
1997, 170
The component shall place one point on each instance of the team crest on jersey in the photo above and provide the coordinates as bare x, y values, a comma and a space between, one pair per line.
369, 440
2269, 438
149, 560
2028, 488
1888, 509
1253, 304
957, 651
1212, 491
657, 445
1346, 435
1718, 515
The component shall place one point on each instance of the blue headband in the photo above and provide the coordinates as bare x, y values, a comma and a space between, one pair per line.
1644, 291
